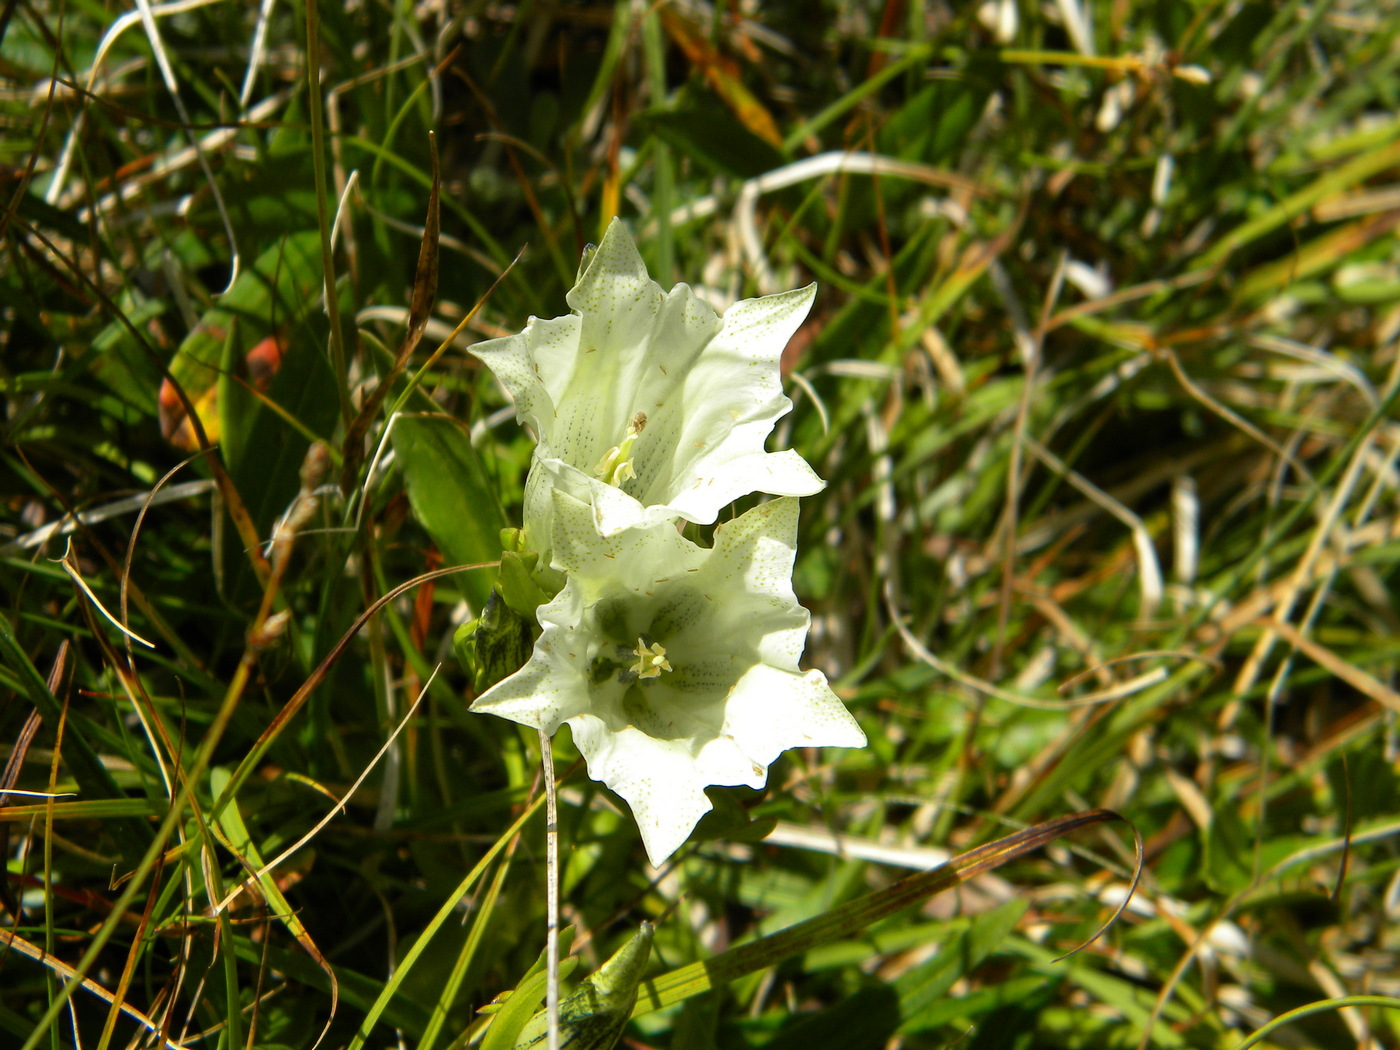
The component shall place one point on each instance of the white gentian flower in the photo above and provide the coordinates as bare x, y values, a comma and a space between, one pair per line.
647, 404
675, 667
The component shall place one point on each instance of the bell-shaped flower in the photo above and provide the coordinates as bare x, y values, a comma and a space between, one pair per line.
675, 666
647, 404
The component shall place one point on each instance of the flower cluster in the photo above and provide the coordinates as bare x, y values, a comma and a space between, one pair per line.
675, 666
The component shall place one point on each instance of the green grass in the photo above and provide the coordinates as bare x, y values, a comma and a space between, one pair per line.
1102, 377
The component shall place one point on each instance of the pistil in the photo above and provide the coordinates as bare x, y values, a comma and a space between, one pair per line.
616, 466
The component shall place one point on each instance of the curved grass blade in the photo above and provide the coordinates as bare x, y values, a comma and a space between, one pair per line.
857, 915
1322, 1006
298, 699
131, 834
405, 967
240, 842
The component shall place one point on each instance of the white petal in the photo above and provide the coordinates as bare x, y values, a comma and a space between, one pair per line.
656, 777
772, 710
614, 294
718, 482
755, 551
537, 695
631, 560
709, 388
703, 445
636, 344
534, 366
731, 698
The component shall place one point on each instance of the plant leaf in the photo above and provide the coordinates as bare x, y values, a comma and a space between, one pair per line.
451, 494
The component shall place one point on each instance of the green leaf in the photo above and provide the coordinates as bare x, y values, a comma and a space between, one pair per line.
266, 446
728, 819
120, 362
933, 125
925, 988
34, 209
357, 990
451, 495
855, 916
512, 1015
566, 967
518, 585
279, 289
1229, 852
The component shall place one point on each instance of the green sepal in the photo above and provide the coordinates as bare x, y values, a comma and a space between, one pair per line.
517, 584
495, 645
594, 1016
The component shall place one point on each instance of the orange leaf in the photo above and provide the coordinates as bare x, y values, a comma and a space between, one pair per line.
262, 363
723, 75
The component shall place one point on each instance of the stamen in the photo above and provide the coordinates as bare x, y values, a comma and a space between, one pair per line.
651, 659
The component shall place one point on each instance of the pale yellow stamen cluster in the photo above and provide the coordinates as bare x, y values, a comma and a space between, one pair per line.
616, 466
651, 659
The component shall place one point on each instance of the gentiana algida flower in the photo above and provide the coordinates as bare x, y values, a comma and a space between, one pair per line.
675, 666
647, 405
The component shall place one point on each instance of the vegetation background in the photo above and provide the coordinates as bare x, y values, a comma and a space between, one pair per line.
1102, 376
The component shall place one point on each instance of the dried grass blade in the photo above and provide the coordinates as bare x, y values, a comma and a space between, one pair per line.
857, 915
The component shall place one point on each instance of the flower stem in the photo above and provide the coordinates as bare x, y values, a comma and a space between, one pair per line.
551, 877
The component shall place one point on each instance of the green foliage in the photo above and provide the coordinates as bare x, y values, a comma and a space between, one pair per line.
450, 492
1102, 377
